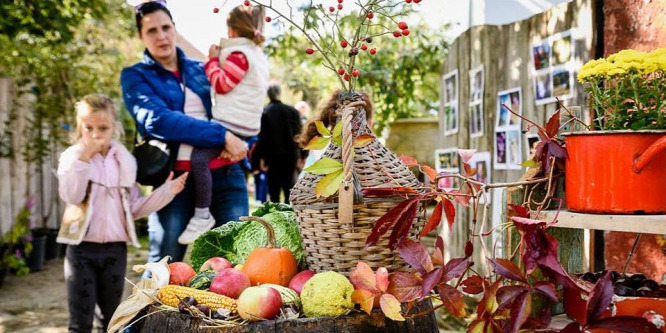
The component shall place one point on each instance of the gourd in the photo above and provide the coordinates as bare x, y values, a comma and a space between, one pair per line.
270, 264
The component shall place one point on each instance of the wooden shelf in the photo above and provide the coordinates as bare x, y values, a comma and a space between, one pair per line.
648, 224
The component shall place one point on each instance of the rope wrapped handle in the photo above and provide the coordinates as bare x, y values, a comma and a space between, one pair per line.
348, 140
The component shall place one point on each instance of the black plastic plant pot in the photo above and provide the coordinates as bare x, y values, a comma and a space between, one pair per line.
35, 259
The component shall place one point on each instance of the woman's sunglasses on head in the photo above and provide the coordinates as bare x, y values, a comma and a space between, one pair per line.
143, 5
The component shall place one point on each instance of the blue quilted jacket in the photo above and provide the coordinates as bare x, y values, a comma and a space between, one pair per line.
154, 98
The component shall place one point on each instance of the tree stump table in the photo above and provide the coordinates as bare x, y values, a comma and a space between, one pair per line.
356, 322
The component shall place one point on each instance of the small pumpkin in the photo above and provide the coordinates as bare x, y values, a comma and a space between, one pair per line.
270, 264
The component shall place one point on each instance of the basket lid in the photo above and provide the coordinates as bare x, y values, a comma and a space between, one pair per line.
375, 165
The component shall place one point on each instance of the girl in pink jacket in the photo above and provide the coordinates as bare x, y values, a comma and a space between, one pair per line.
97, 181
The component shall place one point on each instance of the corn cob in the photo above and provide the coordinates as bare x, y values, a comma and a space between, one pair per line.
170, 294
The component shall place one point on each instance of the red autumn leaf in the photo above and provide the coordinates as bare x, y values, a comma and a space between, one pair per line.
520, 311
362, 277
430, 172
416, 255
389, 219
363, 140
469, 249
547, 289
450, 212
466, 154
625, 324
600, 297
364, 298
488, 304
572, 328
469, 171
542, 320
553, 124
519, 210
401, 229
507, 294
381, 279
473, 285
430, 280
456, 267
459, 197
406, 287
408, 160
438, 254
507, 269
452, 299
556, 150
434, 220
388, 191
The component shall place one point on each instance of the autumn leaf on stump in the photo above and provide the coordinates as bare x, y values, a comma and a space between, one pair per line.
370, 288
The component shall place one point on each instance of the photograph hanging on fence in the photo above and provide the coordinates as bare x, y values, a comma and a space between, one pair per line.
476, 120
481, 161
514, 155
451, 109
447, 161
513, 99
476, 89
496, 219
553, 60
499, 158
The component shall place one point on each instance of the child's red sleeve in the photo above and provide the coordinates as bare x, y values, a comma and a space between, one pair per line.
224, 78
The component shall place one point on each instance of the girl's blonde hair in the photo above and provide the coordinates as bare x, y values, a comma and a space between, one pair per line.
96, 103
248, 22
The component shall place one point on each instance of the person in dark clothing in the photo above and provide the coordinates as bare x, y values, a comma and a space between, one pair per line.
280, 124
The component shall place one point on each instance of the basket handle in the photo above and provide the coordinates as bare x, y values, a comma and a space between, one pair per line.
346, 191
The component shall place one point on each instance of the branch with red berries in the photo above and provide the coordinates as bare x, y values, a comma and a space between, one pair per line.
341, 48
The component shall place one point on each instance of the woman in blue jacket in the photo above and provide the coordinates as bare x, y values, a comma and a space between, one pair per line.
168, 96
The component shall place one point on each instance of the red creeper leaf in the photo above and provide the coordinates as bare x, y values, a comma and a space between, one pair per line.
600, 297
364, 298
387, 221
466, 154
409, 161
452, 299
381, 279
406, 287
416, 255
473, 285
362, 277
469, 249
507, 269
454, 268
391, 307
401, 229
520, 311
430, 280
430, 172
434, 220
546, 288
438, 254
450, 212
553, 124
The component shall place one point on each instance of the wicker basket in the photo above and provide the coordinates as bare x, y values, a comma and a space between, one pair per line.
337, 243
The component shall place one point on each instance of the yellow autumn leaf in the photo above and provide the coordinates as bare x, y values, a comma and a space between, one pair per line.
330, 184
391, 307
322, 129
337, 130
318, 142
364, 298
324, 166
363, 140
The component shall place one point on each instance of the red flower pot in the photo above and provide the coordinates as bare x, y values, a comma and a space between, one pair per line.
616, 172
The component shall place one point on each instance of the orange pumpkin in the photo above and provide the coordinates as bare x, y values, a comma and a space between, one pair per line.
269, 264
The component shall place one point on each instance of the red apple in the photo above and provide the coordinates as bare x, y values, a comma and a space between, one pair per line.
181, 273
216, 263
298, 281
259, 303
230, 282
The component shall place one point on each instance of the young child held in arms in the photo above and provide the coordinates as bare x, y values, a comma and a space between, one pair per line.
238, 75
97, 181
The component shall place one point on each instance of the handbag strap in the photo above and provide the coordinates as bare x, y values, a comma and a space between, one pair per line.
182, 107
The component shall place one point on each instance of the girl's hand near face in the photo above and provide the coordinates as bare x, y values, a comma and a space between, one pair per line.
91, 147
178, 184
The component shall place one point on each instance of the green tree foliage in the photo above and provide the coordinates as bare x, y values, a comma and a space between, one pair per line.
403, 76
60, 51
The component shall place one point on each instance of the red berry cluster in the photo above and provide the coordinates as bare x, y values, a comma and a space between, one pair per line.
404, 29
410, 1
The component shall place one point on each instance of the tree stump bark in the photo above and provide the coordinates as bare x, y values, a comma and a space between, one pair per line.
356, 322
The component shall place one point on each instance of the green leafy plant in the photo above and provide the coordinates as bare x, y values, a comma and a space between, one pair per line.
627, 89
17, 242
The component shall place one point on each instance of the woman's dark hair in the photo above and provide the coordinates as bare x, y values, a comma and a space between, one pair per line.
149, 8
329, 118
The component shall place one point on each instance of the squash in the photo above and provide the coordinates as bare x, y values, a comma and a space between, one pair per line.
269, 264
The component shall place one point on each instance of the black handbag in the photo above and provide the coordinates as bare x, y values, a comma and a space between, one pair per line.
152, 157
152, 160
